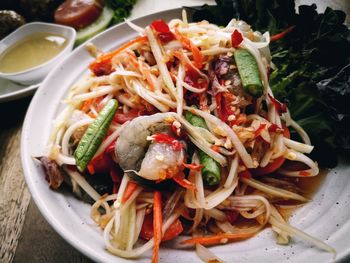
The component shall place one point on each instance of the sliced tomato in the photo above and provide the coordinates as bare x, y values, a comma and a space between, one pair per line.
270, 168
173, 231
121, 117
236, 38
100, 164
78, 13
160, 26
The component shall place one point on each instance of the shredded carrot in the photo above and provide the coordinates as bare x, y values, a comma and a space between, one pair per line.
157, 224
105, 59
218, 239
110, 55
86, 105
215, 148
130, 188
181, 180
188, 44
282, 34
192, 166
140, 65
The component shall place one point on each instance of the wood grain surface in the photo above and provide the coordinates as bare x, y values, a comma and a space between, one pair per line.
14, 196
25, 236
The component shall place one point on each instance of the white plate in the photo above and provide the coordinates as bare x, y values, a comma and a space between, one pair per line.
325, 217
13, 91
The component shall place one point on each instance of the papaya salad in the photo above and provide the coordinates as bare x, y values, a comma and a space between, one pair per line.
184, 134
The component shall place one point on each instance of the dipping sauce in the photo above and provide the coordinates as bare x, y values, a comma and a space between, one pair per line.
31, 51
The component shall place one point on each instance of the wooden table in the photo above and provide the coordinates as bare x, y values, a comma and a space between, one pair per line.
25, 236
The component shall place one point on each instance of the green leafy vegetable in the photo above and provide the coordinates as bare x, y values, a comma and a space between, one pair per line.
122, 9
312, 65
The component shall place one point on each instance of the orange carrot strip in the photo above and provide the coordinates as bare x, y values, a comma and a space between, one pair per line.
181, 180
130, 188
108, 56
86, 105
188, 44
157, 224
217, 239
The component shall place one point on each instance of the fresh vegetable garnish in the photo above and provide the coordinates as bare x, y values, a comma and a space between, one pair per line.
94, 135
249, 72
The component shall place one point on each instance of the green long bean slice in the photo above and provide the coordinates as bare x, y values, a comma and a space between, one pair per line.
211, 168
249, 72
94, 135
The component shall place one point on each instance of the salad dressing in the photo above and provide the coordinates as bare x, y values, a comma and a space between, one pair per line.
31, 51
309, 187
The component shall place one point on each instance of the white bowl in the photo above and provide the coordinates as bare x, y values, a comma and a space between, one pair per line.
37, 74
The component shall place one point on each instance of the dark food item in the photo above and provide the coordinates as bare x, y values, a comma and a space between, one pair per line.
78, 13
9, 21
52, 171
38, 10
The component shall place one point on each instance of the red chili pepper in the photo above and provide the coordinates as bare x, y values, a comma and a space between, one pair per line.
282, 34
260, 129
166, 138
166, 37
194, 79
160, 26
275, 128
236, 38
223, 101
195, 167
245, 174
280, 107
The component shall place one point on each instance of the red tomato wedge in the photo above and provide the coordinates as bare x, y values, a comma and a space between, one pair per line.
173, 231
78, 13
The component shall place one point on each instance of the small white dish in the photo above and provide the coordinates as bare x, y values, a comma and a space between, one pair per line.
10, 90
37, 74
